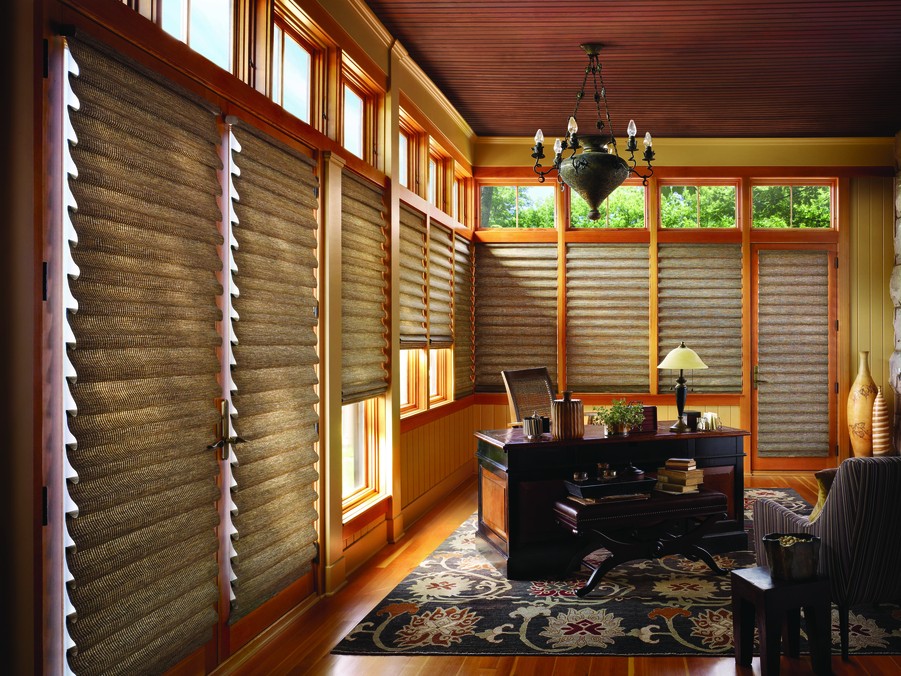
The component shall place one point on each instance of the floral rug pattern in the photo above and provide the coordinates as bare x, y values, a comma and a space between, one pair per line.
456, 601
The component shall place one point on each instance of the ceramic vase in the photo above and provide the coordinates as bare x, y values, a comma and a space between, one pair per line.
882, 437
567, 418
860, 408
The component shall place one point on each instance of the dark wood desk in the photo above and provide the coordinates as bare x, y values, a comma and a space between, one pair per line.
520, 480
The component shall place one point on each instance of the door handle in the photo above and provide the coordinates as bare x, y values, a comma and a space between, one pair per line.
757, 379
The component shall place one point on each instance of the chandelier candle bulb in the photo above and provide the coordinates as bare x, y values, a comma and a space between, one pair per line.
539, 137
632, 130
648, 141
572, 127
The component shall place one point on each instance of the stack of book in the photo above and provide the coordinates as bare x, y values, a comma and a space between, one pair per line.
679, 475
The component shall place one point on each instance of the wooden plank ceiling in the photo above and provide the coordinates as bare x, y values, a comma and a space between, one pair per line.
707, 68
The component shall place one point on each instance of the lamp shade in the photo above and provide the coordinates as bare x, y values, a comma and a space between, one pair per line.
682, 359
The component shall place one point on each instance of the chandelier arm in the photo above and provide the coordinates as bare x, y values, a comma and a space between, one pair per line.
607, 112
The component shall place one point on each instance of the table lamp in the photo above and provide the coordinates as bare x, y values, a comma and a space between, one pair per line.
681, 358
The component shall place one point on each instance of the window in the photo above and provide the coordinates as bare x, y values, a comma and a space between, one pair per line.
354, 121
206, 26
433, 181
292, 74
403, 169
624, 208
409, 380
791, 206
359, 445
698, 206
456, 191
440, 376
510, 206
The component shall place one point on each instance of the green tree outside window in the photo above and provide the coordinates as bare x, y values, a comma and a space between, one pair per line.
624, 208
517, 206
706, 206
791, 206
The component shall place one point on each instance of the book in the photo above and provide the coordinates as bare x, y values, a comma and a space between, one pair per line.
681, 463
678, 476
667, 487
610, 498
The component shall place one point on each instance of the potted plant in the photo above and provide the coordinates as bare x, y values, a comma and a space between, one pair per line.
620, 417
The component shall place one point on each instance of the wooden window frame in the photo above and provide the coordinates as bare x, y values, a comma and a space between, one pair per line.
831, 183
441, 161
691, 182
306, 36
153, 10
353, 78
414, 134
541, 233
411, 386
372, 435
441, 365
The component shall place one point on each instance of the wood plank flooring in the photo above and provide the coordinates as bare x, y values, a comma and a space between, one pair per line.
303, 647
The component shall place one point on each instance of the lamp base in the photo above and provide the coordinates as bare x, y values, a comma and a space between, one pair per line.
680, 426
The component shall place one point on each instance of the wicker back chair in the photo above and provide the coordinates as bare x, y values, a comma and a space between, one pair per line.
528, 391
860, 534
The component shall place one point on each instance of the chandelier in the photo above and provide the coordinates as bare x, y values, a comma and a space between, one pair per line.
598, 170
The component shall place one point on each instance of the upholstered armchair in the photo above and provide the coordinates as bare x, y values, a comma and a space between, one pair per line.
860, 531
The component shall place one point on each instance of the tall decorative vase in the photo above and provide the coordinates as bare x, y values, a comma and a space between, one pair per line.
860, 408
882, 437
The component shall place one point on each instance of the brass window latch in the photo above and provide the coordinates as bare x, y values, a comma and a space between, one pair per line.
224, 440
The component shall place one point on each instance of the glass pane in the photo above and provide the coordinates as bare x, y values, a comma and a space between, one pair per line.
455, 201
404, 364
403, 171
536, 206
353, 122
578, 212
497, 206
771, 206
210, 30
174, 18
811, 206
434, 367
679, 206
278, 56
717, 206
353, 448
298, 79
433, 182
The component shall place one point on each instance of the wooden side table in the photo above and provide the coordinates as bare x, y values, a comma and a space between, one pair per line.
777, 604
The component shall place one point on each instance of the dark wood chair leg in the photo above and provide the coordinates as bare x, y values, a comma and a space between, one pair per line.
606, 566
705, 556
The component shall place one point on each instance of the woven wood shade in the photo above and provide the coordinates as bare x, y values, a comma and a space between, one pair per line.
364, 290
464, 364
699, 301
144, 560
607, 318
412, 282
793, 359
441, 286
275, 375
515, 311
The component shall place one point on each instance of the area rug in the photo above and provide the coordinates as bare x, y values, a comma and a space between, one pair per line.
455, 602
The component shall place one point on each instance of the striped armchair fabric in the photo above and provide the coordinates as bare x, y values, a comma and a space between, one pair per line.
860, 532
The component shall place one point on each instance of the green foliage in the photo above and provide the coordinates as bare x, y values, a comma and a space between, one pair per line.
620, 413
688, 206
499, 206
624, 208
784, 206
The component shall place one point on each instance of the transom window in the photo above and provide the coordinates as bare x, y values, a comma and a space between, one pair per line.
624, 208
698, 206
354, 121
511, 206
292, 74
403, 151
791, 206
206, 26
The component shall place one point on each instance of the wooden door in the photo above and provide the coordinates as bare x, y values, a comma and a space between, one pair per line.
794, 342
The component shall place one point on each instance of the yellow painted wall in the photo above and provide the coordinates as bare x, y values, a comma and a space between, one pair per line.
871, 260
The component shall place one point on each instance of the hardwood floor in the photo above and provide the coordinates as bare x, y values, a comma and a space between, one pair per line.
303, 647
